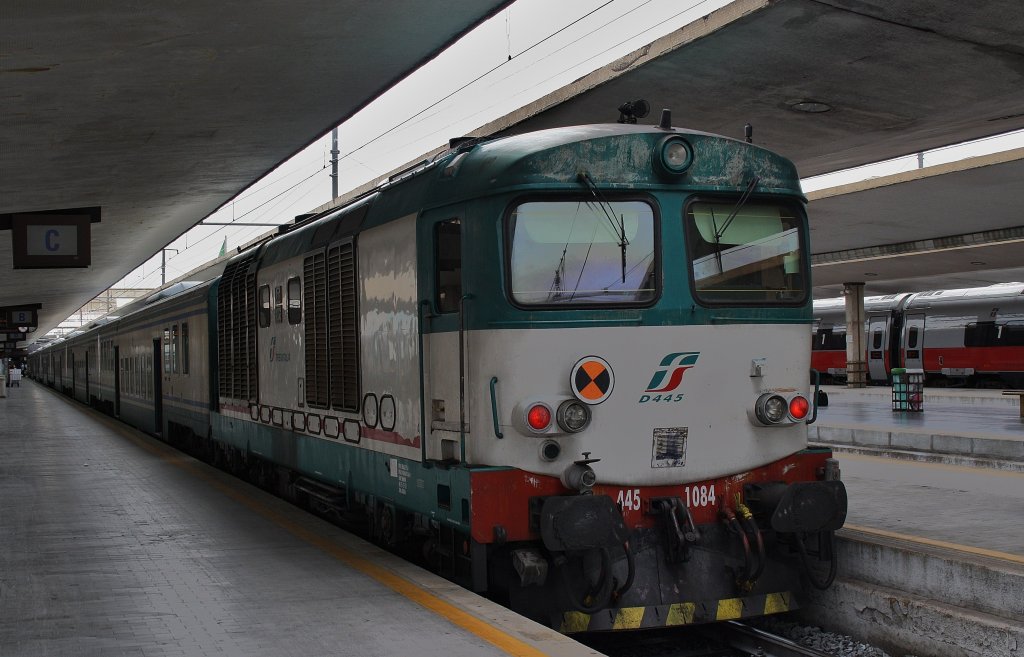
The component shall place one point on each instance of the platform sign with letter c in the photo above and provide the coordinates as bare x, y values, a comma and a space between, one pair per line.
52, 240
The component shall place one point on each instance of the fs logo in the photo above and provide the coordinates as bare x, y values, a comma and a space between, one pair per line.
669, 376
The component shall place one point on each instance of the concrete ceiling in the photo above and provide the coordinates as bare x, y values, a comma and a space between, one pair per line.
899, 77
160, 113
943, 227
160, 116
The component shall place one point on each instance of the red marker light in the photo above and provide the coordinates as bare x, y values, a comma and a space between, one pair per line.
539, 417
798, 407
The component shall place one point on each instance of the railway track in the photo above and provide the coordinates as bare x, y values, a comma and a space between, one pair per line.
728, 639
758, 643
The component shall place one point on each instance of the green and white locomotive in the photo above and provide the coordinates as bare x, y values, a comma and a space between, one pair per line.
568, 369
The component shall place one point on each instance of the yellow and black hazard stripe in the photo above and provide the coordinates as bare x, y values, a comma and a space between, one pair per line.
681, 613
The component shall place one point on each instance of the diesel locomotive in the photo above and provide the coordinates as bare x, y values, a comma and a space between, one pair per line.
566, 369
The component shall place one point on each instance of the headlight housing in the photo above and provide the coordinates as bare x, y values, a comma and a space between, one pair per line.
572, 416
674, 155
771, 408
781, 408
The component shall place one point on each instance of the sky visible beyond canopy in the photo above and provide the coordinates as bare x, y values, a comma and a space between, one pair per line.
527, 51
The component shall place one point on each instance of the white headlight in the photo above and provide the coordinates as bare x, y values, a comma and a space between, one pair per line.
572, 416
771, 408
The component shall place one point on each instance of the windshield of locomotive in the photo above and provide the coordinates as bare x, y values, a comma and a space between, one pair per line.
582, 253
746, 254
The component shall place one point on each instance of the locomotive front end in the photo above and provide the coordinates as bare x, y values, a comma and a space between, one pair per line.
649, 384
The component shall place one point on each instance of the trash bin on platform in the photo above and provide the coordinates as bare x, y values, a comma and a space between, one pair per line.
907, 390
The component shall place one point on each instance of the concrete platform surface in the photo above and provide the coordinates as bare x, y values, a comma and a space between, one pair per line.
112, 543
975, 509
973, 424
931, 560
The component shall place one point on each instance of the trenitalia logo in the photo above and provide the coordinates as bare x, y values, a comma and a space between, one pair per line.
672, 369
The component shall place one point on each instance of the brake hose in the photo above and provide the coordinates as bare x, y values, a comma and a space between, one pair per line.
833, 566
751, 525
630, 573
599, 594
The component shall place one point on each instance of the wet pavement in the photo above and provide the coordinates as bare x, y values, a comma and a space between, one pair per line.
964, 413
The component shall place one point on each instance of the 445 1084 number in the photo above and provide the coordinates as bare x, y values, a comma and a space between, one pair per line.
693, 496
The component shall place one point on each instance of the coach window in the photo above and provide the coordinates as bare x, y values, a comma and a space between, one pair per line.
174, 349
264, 306
184, 348
830, 339
294, 300
1012, 334
448, 237
583, 253
167, 351
746, 253
981, 334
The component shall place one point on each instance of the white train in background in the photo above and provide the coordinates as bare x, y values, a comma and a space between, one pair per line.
972, 336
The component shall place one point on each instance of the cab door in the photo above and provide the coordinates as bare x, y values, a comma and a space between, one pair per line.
877, 339
443, 313
913, 342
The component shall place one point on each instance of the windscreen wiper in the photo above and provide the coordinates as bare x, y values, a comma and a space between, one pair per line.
728, 220
619, 226
739, 204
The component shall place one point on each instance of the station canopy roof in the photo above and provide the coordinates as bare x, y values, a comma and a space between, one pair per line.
160, 113
160, 117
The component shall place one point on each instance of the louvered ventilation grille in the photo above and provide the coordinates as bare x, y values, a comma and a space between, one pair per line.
236, 332
315, 294
343, 328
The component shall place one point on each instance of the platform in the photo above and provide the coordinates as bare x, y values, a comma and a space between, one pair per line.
932, 555
965, 424
112, 543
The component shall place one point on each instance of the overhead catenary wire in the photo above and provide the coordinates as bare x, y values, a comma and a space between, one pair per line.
416, 118
425, 112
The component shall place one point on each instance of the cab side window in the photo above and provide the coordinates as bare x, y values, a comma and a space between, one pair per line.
448, 282
294, 300
264, 306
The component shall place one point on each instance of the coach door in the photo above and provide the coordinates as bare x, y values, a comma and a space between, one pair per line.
877, 347
443, 314
158, 394
117, 381
913, 342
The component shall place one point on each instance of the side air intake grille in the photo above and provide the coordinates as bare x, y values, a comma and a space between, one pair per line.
315, 293
344, 348
236, 331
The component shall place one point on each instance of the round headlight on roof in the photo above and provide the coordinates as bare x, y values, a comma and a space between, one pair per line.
674, 155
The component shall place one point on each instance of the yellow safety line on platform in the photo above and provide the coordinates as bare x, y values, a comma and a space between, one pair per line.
414, 592
995, 554
988, 472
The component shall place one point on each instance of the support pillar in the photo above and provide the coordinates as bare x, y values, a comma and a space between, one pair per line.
856, 366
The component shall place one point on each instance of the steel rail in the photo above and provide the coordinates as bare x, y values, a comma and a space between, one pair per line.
763, 644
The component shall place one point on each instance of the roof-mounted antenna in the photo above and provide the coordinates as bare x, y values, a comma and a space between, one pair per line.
666, 119
748, 133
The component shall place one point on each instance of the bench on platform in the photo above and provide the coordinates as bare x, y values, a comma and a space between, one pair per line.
1020, 398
